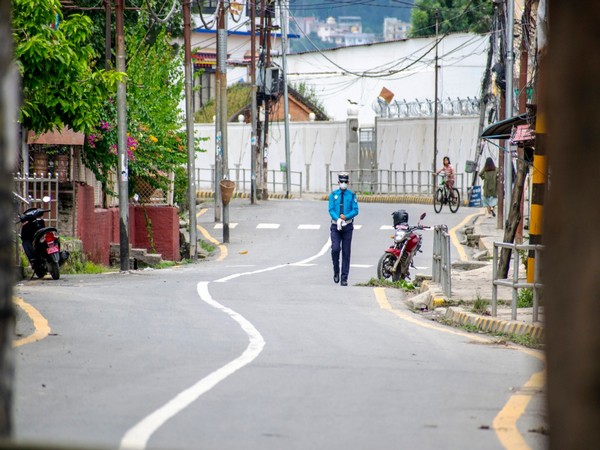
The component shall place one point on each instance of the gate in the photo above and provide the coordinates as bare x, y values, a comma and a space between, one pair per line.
367, 160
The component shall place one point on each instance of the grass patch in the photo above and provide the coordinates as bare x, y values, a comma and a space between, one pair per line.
78, 264
525, 298
400, 284
480, 305
207, 246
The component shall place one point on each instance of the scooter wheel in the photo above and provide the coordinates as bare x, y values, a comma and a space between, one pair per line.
54, 270
40, 272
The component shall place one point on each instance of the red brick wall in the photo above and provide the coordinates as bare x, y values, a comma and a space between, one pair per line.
165, 230
93, 226
97, 228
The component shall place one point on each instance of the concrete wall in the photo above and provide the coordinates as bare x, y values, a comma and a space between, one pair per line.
404, 67
316, 147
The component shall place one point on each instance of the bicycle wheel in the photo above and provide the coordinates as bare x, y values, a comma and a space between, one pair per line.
438, 200
454, 203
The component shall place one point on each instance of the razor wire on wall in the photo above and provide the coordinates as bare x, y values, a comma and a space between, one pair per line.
425, 108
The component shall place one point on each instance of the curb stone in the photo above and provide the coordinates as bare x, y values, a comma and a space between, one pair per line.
492, 324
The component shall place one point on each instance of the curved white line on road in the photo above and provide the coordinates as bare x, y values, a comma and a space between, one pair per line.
138, 436
254, 272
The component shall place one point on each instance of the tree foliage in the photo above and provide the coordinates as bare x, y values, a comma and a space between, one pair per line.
156, 141
60, 83
473, 16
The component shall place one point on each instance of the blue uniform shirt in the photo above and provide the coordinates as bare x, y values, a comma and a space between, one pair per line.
350, 204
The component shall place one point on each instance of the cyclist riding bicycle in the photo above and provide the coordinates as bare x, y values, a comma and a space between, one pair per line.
449, 175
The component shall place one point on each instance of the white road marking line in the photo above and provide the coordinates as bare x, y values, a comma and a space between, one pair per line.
269, 226
386, 227
219, 226
361, 266
309, 227
138, 436
323, 250
303, 265
357, 227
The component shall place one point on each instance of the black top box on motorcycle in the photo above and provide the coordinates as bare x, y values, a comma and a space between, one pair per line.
400, 216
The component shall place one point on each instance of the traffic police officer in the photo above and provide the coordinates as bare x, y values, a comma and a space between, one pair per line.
343, 207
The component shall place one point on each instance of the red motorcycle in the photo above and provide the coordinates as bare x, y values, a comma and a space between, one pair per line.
397, 259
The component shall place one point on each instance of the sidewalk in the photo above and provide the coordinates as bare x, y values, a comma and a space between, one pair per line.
471, 281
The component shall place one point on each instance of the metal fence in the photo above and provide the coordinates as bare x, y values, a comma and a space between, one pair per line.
404, 182
30, 192
442, 265
514, 283
277, 183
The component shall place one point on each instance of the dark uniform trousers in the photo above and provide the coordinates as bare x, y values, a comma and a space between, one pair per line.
341, 241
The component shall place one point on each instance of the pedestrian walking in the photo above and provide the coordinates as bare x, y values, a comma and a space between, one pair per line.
343, 208
489, 174
448, 173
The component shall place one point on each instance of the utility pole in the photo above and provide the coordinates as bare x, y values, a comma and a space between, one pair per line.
221, 162
253, 139
189, 123
8, 152
221, 168
107, 35
435, 95
508, 167
288, 174
123, 164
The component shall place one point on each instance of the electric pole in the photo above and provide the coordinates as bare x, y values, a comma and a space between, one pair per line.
288, 174
189, 122
221, 169
435, 95
123, 164
253, 146
508, 167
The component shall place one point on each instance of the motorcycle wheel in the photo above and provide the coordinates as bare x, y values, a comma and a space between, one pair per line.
384, 267
54, 270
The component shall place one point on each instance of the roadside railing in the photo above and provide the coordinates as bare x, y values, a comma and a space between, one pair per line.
515, 283
442, 265
276, 180
395, 182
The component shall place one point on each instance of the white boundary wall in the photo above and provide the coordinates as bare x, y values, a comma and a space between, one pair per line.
315, 147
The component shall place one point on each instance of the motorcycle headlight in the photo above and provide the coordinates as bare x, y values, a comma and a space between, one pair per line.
399, 235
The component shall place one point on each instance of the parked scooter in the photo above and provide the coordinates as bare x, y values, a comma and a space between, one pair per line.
41, 243
397, 260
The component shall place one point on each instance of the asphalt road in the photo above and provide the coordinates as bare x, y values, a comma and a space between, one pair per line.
258, 348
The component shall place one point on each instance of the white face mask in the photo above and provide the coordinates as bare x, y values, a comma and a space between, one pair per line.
343, 186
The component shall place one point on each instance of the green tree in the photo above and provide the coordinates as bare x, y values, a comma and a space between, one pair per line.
60, 83
155, 125
455, 16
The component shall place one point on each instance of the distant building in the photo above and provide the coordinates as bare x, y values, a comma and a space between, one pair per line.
394, 29
344, 32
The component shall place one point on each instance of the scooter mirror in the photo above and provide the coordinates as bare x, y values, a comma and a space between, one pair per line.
423, 216
46, 198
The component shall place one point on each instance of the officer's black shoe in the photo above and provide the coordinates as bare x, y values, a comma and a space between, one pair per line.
336, 278
344, 283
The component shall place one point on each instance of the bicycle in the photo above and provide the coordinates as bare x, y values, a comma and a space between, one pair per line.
442, 196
